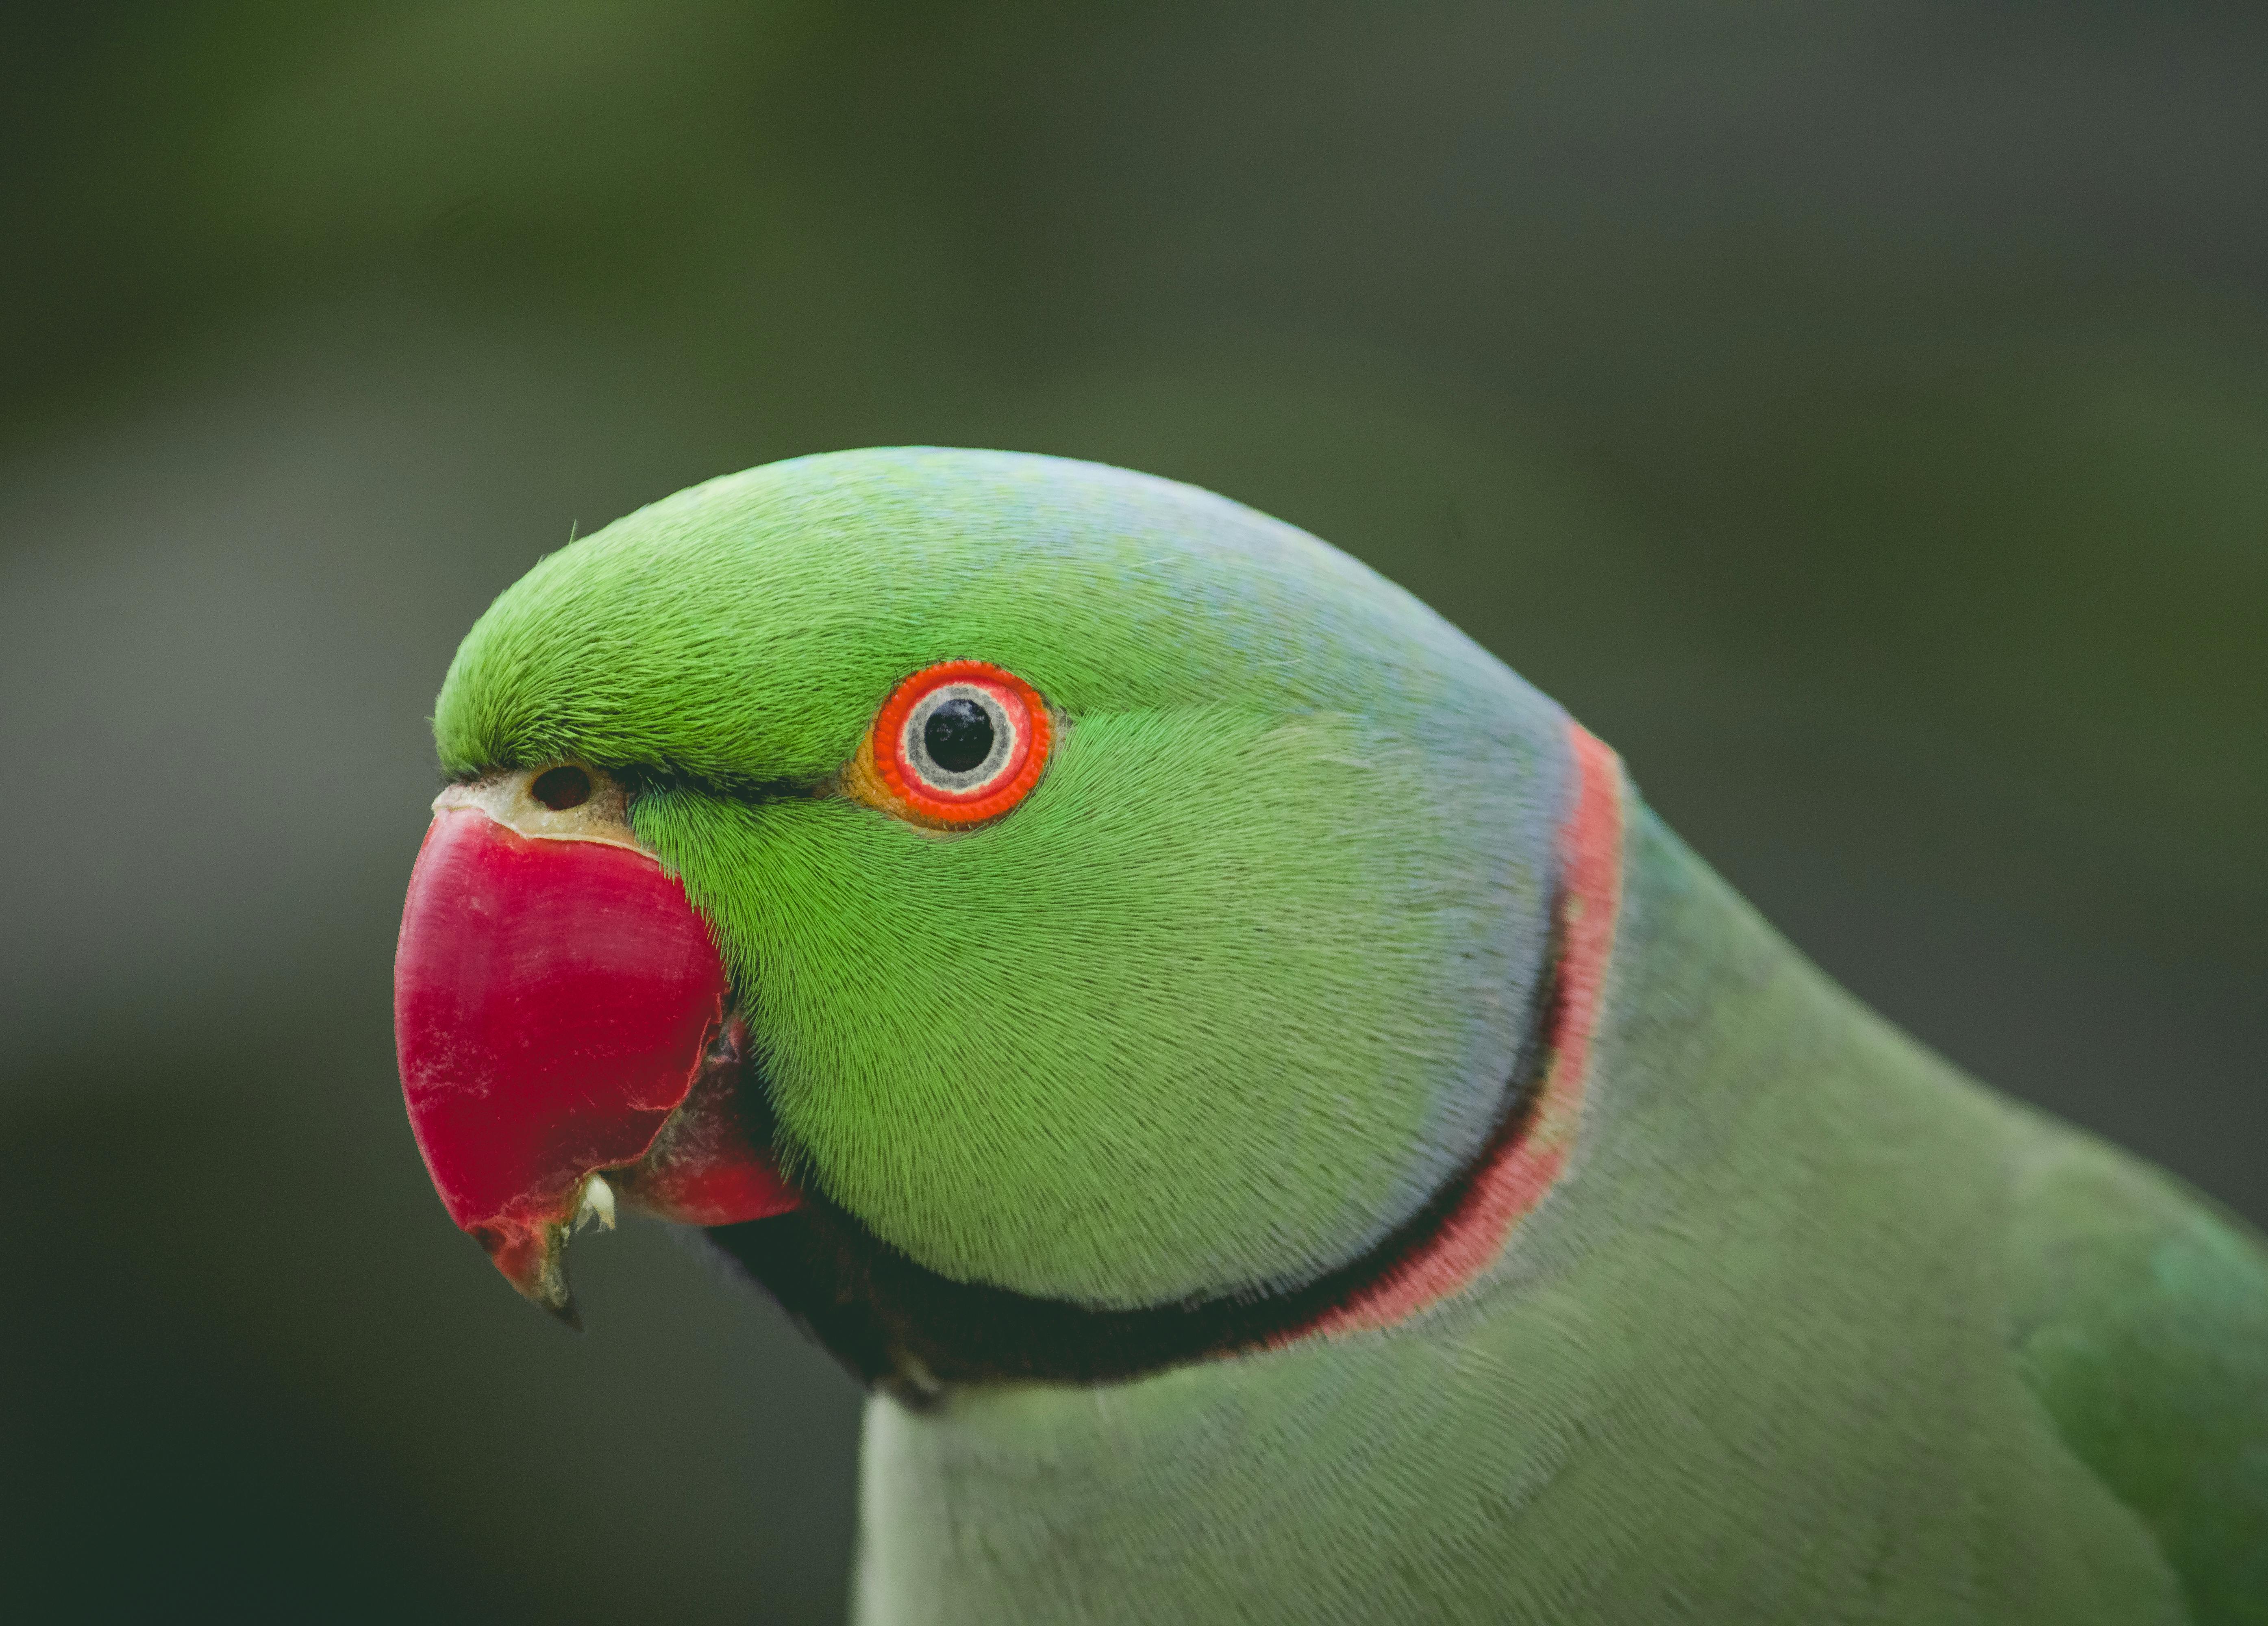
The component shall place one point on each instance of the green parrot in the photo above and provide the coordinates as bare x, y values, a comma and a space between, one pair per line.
1281, 1129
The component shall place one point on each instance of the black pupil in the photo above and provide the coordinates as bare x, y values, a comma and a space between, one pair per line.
958, 735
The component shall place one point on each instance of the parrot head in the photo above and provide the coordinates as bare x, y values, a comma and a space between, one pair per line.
1007, 900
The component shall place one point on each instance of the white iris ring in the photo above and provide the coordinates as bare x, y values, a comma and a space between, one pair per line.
913, 744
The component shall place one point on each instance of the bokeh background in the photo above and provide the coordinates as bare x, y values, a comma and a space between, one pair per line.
1857, 412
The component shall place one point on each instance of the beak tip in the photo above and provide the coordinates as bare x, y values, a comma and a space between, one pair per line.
534, 1258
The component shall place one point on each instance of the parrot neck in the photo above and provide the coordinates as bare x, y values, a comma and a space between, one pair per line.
909, 1330
1526, 1156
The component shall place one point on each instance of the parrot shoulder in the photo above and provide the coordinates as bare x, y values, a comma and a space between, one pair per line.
2140, 1322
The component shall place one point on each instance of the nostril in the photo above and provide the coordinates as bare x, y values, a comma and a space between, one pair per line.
562, 788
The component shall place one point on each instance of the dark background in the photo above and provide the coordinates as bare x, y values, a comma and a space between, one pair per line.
1857, 413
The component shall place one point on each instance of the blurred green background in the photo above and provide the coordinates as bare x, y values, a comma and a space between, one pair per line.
1857, 413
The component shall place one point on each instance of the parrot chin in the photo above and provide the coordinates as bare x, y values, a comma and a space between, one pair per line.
566, 1030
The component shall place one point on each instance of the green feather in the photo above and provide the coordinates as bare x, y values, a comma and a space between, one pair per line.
2142, 1324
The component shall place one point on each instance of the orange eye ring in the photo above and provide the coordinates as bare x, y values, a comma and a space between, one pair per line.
955, 744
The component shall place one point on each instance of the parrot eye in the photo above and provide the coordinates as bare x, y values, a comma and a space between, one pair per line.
956, 743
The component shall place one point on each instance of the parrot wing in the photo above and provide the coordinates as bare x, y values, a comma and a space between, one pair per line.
2141, 1324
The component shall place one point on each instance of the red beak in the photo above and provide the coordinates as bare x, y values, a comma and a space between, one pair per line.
565, 1031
